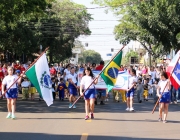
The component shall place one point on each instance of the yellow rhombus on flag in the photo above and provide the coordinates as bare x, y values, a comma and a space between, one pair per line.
109, 75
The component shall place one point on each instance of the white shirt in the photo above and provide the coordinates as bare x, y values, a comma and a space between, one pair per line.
73, 77
25, 84
153, 74
9, 80
162, 84
157, 74
131, 80
86, 81
138, 72
67, 73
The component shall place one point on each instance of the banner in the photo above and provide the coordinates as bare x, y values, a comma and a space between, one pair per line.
121, 83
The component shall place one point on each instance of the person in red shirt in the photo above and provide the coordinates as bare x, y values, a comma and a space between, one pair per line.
100, 67
22, 68
4, 69
52, 70
101, 92
1, 72
17, 66
121, 68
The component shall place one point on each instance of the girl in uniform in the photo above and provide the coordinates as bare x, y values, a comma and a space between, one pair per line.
89, 95
12, 93
164, 95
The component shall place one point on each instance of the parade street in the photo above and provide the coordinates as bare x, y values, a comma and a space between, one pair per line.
36, 121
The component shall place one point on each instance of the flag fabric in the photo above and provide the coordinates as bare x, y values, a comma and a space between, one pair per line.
39, 75
109, 75
174, 69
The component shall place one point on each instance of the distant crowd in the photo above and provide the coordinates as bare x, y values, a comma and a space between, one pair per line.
148, 78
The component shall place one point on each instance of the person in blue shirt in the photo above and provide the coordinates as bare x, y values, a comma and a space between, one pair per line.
61, 88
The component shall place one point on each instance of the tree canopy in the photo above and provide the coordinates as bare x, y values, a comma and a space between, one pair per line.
154, 23
25, 25
91, 56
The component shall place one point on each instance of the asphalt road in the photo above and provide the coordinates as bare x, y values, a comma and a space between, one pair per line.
36, 121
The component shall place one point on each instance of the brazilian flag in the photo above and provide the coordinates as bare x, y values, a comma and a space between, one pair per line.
109, 75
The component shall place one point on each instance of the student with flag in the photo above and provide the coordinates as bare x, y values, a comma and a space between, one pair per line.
12, 92
164, 95
109, 73
173, 72
89, 95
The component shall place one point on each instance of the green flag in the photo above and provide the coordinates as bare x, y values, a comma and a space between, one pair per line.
39, 75
109, 75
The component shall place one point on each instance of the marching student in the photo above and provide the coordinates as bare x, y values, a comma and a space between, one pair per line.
89, 95
130, 92
164, 95
72, 87
12, 93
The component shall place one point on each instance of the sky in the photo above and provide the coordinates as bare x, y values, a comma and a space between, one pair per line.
102, 38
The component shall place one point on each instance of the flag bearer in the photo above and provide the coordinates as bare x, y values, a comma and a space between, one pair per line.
164, 95
89, 95
12, 93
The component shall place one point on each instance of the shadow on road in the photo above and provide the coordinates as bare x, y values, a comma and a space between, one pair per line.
62, 107
41, 136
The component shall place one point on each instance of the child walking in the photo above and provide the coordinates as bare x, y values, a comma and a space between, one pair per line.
61, 88
25, 88
12, 93
89, 95
32, 91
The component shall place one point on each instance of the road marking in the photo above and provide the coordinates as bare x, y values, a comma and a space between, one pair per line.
88, 120
84, 136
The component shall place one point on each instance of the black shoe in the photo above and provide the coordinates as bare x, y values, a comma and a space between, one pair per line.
146, 99
102, 103
140, 101
62, 99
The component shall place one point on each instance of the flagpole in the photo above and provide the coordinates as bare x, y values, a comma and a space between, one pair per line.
98, 75
165, 87
25, 71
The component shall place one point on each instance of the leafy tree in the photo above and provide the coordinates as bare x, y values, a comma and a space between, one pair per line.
53, 23
154, 23
128, 56
91, 56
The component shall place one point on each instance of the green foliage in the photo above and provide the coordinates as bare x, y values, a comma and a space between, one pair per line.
91, 56
154, 23
128, 55
50, 23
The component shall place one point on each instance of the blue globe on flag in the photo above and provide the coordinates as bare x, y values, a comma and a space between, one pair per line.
113, 72
47, 80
